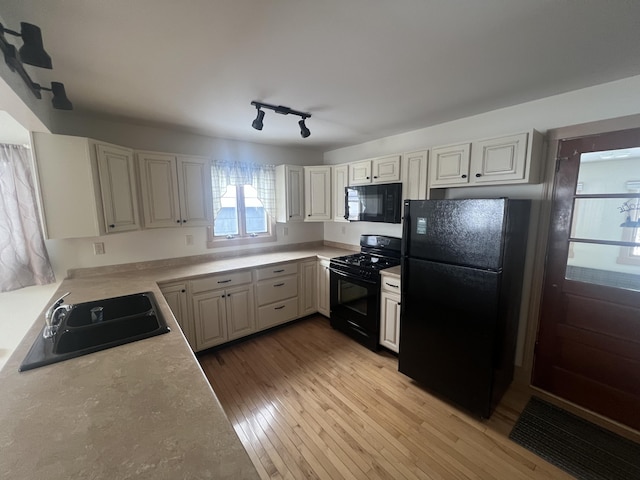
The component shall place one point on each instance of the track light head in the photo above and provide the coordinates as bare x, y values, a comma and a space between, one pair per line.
32, 52
304, 131
60, 100
257, 123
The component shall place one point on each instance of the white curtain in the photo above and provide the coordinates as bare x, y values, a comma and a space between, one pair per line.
23, 257
260, 177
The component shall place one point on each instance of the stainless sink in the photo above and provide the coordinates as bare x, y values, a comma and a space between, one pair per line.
121, 320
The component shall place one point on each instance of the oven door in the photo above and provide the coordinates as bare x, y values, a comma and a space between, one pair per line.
355, 307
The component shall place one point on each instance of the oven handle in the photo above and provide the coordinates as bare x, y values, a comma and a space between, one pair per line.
350, 277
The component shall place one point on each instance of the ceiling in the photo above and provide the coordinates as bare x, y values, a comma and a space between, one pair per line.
364, 69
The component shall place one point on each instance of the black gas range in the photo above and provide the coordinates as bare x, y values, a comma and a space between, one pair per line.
355, 287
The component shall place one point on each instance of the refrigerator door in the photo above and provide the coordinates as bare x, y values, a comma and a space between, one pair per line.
448, 329
458, 232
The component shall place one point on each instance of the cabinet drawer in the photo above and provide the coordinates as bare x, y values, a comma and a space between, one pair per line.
220, 281
390, 283
277, 313
277, 271
276, 289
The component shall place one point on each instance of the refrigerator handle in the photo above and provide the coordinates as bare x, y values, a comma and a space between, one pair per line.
406, 228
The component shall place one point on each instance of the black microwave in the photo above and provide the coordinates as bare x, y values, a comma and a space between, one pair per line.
374, 203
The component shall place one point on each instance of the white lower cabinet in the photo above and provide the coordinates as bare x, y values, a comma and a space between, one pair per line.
218, 308
308, 291
223, 314
277, 294
324, 289
176, 296
390, 312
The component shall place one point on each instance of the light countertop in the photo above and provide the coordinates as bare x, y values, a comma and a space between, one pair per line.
140, 410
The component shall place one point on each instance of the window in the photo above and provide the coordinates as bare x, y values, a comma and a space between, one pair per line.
243, 204
631, 255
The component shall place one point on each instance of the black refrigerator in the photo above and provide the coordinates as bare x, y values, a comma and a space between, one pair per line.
462, 266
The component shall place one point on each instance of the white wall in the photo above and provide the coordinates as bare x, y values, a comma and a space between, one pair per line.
609, 100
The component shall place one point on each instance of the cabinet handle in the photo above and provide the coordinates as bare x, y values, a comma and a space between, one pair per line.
394, 286
183, 291
478, 175
177, 221
375, 176
223, 295
224, 281
398, 303
463, 176
279, 308
184, 221
368, 178
112, 226
279, 271
278, 284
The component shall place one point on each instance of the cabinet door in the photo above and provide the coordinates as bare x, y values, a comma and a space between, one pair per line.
340, 179
390, 321
317, 193
308, 291
176, 296
194, 186
240, 311
450, 165
323, 288
499, 159
385, 169
209, 315
414, 175
63, 161
159, 184
360, 173
295, 193
118, 188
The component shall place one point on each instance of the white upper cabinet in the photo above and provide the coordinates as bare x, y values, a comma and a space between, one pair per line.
118, 188
317, 193
497, 161
86, 188
450, 165
289, 193
376, 170
339, 179
175, 190
414, 175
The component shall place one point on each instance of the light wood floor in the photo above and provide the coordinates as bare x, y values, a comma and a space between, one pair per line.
309, 402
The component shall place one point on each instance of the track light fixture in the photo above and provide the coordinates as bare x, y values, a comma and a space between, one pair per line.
32, 53
282, 110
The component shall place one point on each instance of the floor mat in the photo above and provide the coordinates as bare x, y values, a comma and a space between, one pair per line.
581, 448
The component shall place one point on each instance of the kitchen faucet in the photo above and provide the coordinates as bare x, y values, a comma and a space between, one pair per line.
52, 317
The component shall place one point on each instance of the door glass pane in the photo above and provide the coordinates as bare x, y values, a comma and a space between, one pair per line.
602, 218
599, 264
255, 214
608, 171
226, 222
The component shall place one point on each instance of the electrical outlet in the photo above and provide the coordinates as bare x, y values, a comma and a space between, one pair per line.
189, 239
98, 248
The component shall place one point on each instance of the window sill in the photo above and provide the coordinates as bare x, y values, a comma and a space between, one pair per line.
216, 242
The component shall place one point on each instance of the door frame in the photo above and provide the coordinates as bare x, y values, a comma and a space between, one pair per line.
523, 373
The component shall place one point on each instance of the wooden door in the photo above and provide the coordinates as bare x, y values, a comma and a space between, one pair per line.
588, 345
